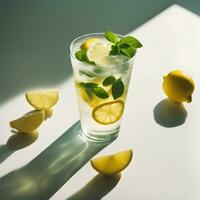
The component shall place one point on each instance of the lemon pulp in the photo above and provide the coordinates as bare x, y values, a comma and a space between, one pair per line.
29, 122
42, 100
112, 164
98, 52
86, 45
109, 112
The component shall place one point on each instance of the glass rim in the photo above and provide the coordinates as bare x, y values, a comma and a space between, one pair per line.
91, 34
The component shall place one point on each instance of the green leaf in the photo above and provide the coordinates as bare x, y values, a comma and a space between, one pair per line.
89, 93
109, 80
131, 41
91, 62
98, 70
89, 74
114, 50
90, 85
100, 92
82, 84
117, 88
124, 46
129, 52
81, 55
110, 36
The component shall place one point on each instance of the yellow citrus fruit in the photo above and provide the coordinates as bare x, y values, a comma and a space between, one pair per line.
178, 86
109, 112
48, 113
112, 164
86, 45
29, 122
42, 100
99, 52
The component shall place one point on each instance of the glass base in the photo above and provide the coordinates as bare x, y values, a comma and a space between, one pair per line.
99, 136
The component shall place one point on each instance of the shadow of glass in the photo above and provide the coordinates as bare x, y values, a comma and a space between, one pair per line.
96, 188
169, 114
5, 152
46, 173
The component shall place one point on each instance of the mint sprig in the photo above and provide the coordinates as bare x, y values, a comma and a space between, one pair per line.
100, 92
117, 89
110, 36
93, 88
130, 41
109, 81
126, 46
82, 56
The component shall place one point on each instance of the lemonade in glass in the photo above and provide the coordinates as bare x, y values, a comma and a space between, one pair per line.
102, 65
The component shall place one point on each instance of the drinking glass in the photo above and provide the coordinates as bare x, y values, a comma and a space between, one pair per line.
100, 117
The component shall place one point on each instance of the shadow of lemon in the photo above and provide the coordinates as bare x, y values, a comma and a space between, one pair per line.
169, 114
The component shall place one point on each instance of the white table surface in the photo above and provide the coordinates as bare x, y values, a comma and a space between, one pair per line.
166, 160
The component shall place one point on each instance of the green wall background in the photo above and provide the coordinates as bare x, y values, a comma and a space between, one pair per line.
35, 35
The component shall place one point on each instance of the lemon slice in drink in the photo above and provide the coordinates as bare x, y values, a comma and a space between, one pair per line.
42, 100
86, 45
109, 112
29, 122
112, 164
98, 52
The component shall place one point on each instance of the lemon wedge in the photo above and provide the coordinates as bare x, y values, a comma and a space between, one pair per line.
29, 122
178, 86
109, 112
42, 100
86, 45
98, 52
48, 113
112, 164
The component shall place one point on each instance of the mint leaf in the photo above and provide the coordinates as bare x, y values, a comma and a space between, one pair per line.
89, 74
110, 36
131, 41
90, 85
89, 93
91, 62
129, 51
82, 84
100, 92
82, 56
117, 88
126, 46
114, 50
109, 80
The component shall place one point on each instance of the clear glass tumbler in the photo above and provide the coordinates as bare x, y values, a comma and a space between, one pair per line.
100, 113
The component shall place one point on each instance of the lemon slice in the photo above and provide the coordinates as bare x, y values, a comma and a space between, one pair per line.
29, 122
98, 52
178, 86
86, 45
109, 112
42, 100
112, 164
48, 113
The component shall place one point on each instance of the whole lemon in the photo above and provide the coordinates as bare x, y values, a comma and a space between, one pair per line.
178, 86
